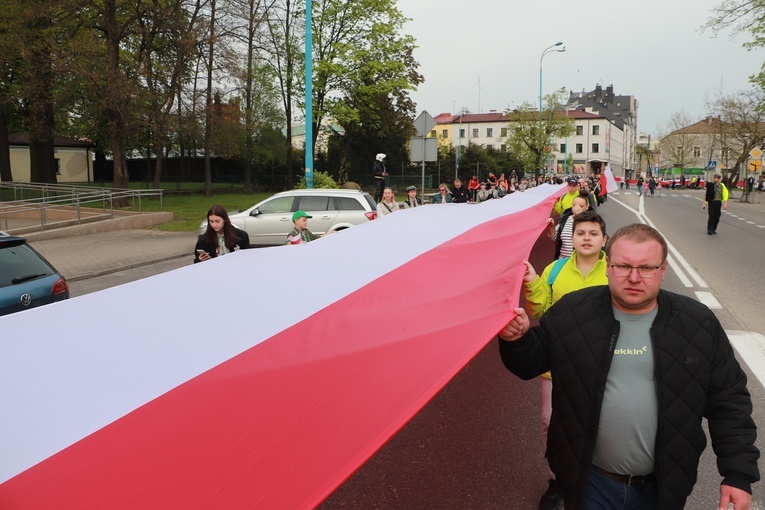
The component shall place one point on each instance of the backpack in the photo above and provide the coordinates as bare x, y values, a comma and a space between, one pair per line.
555, 270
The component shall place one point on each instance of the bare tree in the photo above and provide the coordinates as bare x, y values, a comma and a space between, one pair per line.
285, 23
247, 68
678, 140
741, 127
169, 36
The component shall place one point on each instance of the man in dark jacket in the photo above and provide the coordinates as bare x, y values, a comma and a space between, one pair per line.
636, 368
460, 194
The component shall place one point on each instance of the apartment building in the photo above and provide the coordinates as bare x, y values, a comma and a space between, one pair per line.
621, 111
595, 143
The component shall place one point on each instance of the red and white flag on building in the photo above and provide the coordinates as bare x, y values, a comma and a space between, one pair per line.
261, 379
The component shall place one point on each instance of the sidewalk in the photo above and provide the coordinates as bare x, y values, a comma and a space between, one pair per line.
84, 256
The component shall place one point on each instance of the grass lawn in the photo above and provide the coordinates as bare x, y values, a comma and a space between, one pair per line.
189, 210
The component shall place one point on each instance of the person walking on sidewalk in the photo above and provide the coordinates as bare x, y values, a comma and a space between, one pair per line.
717, 198
636, 370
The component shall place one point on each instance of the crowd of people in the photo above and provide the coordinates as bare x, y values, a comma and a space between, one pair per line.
628, 370
478, 191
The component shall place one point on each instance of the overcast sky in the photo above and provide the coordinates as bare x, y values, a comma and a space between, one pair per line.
484, 54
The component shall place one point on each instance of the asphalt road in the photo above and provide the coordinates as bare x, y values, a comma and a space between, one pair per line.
477, 443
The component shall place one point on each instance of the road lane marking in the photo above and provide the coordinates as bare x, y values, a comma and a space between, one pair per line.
751, 349
708, 299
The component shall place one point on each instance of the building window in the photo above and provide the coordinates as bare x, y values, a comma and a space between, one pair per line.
462, 133
579, 148
562, 148
697, 152
475, 132
433, 133
445, 133
489, 132
724, 153
596, 130
503, 146
595, 147
579, 130
503, 132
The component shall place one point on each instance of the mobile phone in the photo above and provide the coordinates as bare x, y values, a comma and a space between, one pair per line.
200, 252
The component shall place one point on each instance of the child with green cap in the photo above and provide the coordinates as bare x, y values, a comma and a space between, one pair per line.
300, 233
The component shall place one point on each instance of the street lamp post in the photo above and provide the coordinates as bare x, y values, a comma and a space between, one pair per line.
550, 49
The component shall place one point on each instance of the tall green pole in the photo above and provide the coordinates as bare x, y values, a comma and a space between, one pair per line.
308, 96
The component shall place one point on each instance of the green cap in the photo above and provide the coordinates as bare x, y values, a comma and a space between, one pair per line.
300, 214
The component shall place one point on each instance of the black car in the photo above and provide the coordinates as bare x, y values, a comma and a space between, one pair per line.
27, 280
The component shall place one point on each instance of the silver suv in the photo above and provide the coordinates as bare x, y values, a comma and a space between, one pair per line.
268, 222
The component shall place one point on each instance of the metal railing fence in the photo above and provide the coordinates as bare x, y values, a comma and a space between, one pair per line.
33, 200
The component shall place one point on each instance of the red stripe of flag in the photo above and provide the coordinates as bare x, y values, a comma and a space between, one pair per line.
284, 423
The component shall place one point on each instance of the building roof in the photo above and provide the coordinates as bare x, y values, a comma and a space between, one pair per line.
22, 139
617, 109
707, 126
299, 129
469, 118
473, 118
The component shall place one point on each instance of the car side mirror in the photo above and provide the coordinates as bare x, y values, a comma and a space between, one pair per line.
254, 212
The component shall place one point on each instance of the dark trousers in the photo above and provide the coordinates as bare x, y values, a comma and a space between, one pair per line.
380, 189
602, 492
715, 211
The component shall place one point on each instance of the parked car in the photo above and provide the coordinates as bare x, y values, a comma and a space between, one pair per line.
27, 280
268, 222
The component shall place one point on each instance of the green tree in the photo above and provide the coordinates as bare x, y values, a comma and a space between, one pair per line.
31, 35
364, 70
741, 16
531, 132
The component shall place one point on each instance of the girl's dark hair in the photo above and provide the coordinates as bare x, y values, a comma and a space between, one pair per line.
229, 233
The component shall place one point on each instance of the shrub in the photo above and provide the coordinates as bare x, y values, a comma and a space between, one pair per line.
320, 180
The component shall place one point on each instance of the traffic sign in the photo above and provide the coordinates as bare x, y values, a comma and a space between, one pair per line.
755, 153
712, 165
423, 149
424, 123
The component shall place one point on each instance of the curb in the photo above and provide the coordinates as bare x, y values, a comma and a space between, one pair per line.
118, 269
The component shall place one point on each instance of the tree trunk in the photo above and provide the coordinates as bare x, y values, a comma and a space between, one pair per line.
41, 123
208, 103
114, 118
159, 146
5, 149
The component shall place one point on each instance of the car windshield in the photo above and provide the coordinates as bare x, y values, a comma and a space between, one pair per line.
20, 263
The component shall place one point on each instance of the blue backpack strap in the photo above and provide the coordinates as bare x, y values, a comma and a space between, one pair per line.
555, 270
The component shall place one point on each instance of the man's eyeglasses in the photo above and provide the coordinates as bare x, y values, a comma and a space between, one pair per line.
643, 271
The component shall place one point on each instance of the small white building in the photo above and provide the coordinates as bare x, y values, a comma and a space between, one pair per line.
74, 161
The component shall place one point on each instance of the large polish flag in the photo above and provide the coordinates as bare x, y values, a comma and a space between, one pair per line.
261, 379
